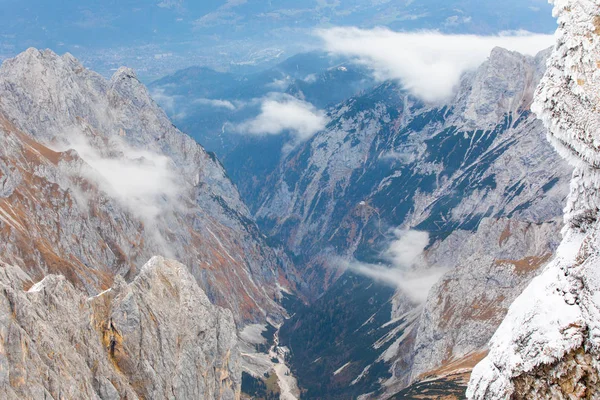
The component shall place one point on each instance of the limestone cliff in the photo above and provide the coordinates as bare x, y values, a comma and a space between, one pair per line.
158, 337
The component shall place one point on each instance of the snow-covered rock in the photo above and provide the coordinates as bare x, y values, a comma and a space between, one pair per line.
549, 344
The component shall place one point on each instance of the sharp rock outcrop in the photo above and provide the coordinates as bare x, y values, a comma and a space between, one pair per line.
157, 337
476, 173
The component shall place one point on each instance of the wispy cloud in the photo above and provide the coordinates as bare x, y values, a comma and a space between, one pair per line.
217, 18
171, 4
281, 113
177, 107
406, 270
215, 103
169, 103
428, 64
143, 182
280, 84
166, 101
146, 183
223, 15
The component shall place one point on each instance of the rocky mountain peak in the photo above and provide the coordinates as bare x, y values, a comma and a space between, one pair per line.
124, 73
35, 64
136, 340
127, 86
505, 83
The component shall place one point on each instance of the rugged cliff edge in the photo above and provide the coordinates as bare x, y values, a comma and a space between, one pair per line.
157, 337
387, 159
549, 344
94, 182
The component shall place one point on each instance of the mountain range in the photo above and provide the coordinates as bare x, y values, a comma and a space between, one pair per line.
401, 250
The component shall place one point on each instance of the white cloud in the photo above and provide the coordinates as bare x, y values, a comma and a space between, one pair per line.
169, 103
166, 101
142, 181
428, 64
170, 4
407, 270
221, 16
284, 113
408, 246
216, 103
280, 84
311, 78
218, 18
173, 105
457, 20
415, 284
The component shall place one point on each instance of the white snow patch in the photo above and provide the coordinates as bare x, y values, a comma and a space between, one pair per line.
100, 294
361, 375
37, 287
340, 369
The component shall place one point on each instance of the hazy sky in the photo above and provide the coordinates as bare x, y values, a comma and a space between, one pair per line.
160, 36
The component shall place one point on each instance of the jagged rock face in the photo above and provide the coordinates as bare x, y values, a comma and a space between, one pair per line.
95, 180
157, 337
547, 347
490, 269
441, 340
388, 160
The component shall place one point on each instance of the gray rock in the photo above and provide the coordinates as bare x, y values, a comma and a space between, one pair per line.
388, 160
158, 337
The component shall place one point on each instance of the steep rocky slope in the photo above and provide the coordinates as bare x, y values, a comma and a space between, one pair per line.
547, 347
489, 269
157, 337
385, 342
96, 180
475, 173
389, 160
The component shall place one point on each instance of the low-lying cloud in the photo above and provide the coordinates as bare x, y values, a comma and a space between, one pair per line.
169, 103
284, 113
428, 64
177, 107
146, 183
215, 103
407, 270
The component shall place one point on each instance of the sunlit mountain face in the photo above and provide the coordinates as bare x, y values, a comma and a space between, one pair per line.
299, 199
161, 36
